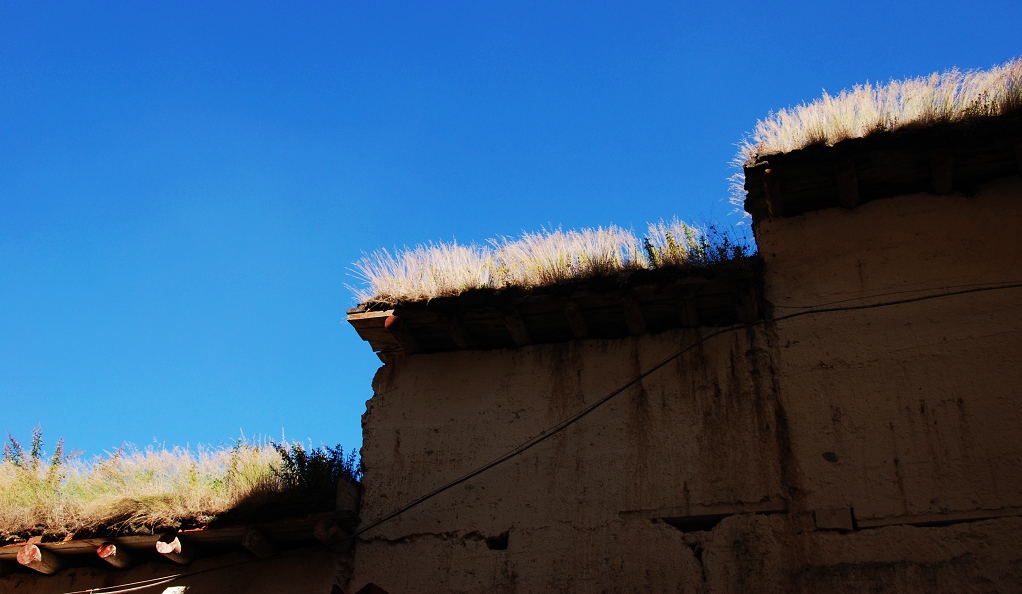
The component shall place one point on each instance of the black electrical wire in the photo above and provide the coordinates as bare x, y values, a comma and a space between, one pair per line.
888, 294
552, 431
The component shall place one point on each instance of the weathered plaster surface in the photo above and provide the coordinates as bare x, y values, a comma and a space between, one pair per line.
896, 415
919, 404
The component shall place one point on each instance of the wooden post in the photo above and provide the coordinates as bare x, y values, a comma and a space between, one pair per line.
576, 320
170, 546
258, 544
688, 314
349, 496
772, 192
847, 183
634, 319
942, 170
516, 328
333, 536
755, 200
43, 561
747, 305
114, 555
456, 330
1018, 155
402, 334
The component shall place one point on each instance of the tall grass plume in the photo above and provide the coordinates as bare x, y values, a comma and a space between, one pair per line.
535, 259
870, 108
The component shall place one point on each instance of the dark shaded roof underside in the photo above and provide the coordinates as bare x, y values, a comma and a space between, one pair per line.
635, 303
939, 159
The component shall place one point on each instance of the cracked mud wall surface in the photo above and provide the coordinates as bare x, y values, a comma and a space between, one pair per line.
752, 553
713, 474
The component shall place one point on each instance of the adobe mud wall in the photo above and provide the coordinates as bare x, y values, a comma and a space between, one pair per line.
814, 453
919, 404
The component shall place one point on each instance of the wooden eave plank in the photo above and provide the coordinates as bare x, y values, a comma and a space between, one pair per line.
371, 328
369, 318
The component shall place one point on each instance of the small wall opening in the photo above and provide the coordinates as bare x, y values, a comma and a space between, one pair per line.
497, 543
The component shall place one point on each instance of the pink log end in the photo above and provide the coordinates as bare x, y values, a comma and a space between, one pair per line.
30, 554
166, 548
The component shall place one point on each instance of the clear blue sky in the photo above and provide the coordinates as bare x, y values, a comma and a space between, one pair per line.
183, 188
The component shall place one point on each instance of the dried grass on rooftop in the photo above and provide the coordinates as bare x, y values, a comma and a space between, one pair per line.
137, 491
868, 109
533, 260
132, 490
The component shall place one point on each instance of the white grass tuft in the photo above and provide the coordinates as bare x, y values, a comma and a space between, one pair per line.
547, 257
533, 260
868, 109
425, 271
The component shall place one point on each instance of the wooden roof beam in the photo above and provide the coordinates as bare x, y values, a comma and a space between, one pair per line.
942, 170
456, 330
772, 192
349, 497
634, 319
258, 543
170, 546
515, 326
747, 305
333, 535
117, 556
402, 334
34, 557
847, 183
577, 321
